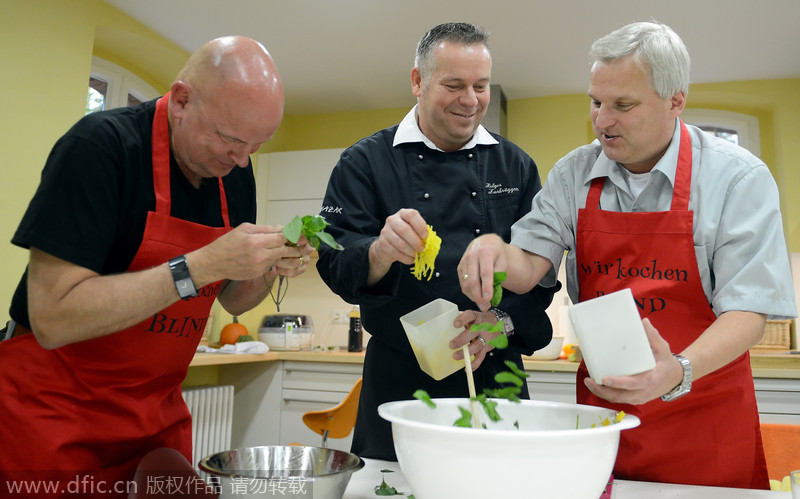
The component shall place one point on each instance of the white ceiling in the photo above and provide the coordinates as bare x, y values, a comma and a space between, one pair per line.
354, 55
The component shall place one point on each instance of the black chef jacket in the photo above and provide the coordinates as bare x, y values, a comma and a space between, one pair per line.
462, 195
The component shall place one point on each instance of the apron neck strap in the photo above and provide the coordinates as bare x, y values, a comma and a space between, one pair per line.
683, 178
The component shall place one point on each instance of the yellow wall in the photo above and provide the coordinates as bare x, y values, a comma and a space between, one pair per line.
46, 48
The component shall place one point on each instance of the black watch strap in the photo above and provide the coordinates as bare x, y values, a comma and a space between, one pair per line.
182, 277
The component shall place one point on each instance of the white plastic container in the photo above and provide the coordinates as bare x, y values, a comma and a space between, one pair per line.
429, 330
612, 337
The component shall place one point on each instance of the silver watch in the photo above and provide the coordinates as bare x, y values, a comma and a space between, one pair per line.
508, 326
685, 386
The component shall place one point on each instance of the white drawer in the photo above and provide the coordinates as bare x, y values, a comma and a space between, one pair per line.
321, 376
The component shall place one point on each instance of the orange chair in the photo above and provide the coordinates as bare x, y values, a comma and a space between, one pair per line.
338, 421
782, 448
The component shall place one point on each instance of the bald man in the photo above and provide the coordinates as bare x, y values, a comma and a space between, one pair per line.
143, 217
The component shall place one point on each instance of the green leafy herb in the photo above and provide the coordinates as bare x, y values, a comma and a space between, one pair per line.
508, 377
507, 392
500, 341
243, 338
423, 396
516, 370
313, 227
465, 421
497, 295
385, 490
485, 326
490, 407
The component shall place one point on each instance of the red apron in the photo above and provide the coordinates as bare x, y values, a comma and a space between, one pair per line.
100, 405
711, 436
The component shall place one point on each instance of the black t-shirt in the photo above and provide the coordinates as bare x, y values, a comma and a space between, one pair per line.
91, 206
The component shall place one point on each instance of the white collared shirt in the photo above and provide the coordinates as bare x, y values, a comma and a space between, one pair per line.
408, 131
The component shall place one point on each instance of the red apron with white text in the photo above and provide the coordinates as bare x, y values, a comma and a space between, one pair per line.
710, 436
100, 405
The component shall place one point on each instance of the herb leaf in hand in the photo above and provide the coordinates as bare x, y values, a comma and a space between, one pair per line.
497, 295
313, 227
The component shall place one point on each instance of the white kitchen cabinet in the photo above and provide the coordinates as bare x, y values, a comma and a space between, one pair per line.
313, 386
552, 386
292, 183
778, 400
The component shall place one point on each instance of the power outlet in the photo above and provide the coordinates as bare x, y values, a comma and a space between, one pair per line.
340, 316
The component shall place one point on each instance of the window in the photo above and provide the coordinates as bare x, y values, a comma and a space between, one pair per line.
112, 86
741, 129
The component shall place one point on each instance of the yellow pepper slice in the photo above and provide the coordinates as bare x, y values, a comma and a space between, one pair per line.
424, 261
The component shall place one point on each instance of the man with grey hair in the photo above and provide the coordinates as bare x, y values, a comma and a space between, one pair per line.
439, 167
650, 194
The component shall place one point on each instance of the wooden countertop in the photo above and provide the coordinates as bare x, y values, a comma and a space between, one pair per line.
765, 364
217, 359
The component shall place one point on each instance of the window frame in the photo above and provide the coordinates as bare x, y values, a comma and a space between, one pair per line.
745, 125
121, 82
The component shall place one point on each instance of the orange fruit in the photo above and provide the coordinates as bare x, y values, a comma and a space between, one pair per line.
231, 332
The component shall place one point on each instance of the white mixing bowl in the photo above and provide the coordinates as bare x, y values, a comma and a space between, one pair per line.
559, 451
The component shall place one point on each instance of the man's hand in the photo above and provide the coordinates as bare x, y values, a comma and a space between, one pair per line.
646, 386
247, 252
477, 340
401, 238
483, 257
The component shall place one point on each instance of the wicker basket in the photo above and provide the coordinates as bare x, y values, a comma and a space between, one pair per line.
777, 336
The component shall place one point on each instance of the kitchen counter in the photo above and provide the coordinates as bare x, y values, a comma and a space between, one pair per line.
362, 486
765, 364
216, 359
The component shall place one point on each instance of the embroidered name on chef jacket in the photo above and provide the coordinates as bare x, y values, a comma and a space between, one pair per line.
494, 189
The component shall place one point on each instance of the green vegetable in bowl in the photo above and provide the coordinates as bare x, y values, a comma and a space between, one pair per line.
313, 227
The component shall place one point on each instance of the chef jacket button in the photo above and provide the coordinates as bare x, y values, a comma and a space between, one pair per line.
420, 157
473, 194
426, 195
437, 274
469, 155
477, 231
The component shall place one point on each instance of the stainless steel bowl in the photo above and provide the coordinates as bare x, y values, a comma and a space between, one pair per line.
280, 471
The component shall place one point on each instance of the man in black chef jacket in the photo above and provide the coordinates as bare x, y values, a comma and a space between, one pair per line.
438, 167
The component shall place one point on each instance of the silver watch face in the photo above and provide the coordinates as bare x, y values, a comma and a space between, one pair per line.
185, 287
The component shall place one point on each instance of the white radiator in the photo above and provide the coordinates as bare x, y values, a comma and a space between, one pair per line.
211, 408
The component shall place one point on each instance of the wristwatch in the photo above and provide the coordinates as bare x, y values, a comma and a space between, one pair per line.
685, 386
508, 326
182, 278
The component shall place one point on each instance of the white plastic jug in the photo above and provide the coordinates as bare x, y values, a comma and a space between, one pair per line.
429, 330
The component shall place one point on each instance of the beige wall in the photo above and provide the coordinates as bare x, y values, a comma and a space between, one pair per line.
46, 48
